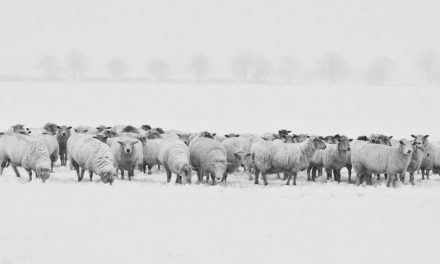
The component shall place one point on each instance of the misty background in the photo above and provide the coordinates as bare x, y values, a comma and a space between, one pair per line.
278, 41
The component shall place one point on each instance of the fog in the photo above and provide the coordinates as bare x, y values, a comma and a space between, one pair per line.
139, 31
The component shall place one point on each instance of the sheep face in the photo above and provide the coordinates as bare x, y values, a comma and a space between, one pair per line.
207, 134
81, 130
146, 127
420, 140
406, 147
102, 128
108, 177
330, 139
64, 131
19, 129
219, 168
344, 143
299, 138
240, 156
43, 172
127, 146
186, 138
385, 140
153, 134
318, 142
420, 149
51, 127
185, 172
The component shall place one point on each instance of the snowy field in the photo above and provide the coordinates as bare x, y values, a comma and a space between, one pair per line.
63, 221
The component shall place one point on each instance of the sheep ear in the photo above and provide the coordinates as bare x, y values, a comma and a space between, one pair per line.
133, 142
58, 127
413, 136
425, 137
350, 140
390, 137
321, 138
85, 131
120, 142
214, 134
307, 136
109, 127
69, 127
227, 136
401, 142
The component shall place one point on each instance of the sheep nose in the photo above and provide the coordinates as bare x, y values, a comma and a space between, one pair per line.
128, 150
409, 151
64, 134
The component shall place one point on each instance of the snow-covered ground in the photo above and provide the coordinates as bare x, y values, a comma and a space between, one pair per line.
148, 220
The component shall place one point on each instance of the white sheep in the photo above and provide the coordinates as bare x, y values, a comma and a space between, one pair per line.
27, 152
88, 153
127, 154
49, 140
208, 156
237, 150
151, 153
275, 157
174, 155
433, 161
376, 159
416, 160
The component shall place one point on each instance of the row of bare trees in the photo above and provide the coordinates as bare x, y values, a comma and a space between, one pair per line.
245, 67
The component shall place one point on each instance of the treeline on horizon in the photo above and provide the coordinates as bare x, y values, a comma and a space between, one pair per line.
245, 67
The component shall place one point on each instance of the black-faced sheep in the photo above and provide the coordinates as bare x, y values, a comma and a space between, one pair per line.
62, 137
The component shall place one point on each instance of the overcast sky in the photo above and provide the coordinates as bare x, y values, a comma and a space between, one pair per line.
140, 30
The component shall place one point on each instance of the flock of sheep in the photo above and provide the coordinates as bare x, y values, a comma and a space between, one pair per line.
110, 151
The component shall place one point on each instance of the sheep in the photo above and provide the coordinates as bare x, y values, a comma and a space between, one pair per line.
27, 152
18, 128
62, 137
433, 161
101, 128
237, 150
127, 154
130, 129
174, 155
270, 136
334, 157
50, 141
51, 127
274, 157
85, 130
208, 156
88, 153
153, 134
151, 153
377, 158
416, 160
146, 127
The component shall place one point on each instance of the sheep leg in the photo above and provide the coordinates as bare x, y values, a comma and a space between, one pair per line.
278, 176
122, 174
130, 174
264, 175
314, 169
82, 173
389, 180
29, 171
158, 166
149, 169
91, 175
3, 165
411, 178
225, 176
199, 176
257, 175
358, 178
285, 175
308, 173
378, 177
336, 175
212, 178
294, 177
320, 172
16, 171
288, 179
169, 175
427, 174
144, 168
329, 173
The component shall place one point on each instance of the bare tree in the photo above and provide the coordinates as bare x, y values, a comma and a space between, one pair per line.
288, 68
427, 63
380, 70
51, 68
159, 69
241, 65
76, 65
200, 67
117, 67
261, 68
332, 67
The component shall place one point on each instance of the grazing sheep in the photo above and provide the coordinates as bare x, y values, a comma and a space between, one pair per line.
18, 128
237, 149
85, 130
127, 154
274, 157
208, 156
50, 141
88, 153
62, 137
416, 160
378, 158
151, 153
101, 128
27, 152
174, 155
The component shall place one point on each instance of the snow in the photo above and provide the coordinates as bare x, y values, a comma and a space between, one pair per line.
62, 221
